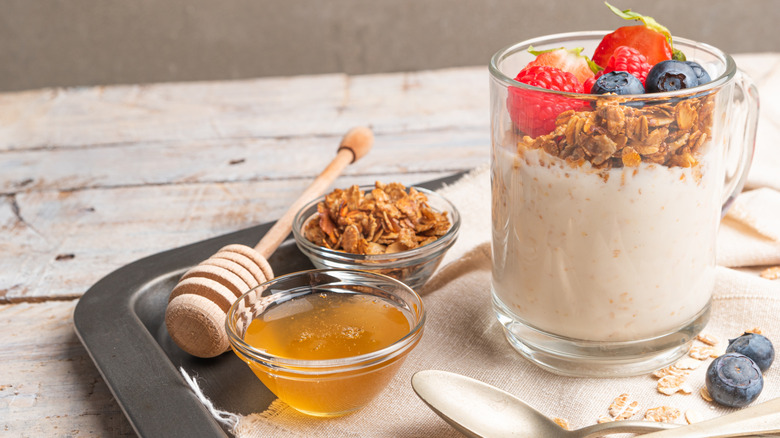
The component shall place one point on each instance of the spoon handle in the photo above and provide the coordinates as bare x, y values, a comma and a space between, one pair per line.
638, 427
762, 419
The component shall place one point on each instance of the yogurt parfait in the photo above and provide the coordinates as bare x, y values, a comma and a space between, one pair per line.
609, 177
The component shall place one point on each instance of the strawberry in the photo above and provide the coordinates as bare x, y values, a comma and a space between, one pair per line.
534, 112
570, 60
650, 38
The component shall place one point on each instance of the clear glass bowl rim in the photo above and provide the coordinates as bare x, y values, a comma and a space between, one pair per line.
496, 73
329, 366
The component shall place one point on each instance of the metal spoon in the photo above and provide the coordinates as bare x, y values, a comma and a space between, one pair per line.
478, 410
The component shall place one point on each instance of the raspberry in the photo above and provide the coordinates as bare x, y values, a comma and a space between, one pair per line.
628, 59
624, 58
534, 112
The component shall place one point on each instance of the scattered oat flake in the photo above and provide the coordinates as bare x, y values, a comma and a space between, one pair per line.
687, 363
563, 423
701, 352
671, 370
692, 416
618, 405
705, 394
671, 384
708, 339
662, 414
605, 419
621, 409
629, 412
755, 330
772, 273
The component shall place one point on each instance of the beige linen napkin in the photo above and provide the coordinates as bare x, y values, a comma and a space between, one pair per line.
463, 336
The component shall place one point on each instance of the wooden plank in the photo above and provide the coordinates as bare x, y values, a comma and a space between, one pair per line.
49, 386
57, 244
263, 108
221, 160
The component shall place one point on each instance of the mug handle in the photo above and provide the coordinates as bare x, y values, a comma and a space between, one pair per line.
743, 139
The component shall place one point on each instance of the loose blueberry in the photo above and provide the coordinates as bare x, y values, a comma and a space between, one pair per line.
702, 77
670, 75
618, 82
756, 347
734, 380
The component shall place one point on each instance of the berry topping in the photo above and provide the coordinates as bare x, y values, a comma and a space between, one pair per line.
669, 76
701, 74
617, 82
734, 380
628, 59
534, 112
754, 346
570, 60
650, 38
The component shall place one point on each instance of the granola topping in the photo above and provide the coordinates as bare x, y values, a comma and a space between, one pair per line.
388, 219
617, 135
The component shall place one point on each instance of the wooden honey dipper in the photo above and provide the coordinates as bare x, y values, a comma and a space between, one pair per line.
198, 305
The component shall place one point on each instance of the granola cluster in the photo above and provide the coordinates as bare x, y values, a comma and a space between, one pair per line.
388, 219
616, 134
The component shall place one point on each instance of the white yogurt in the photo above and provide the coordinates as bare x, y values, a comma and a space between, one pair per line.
628, 258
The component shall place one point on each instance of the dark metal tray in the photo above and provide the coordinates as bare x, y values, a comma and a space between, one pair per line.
120, 321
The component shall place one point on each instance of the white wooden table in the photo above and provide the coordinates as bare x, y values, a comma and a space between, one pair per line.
94, 178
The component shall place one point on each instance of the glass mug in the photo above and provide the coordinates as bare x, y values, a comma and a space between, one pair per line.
604, 219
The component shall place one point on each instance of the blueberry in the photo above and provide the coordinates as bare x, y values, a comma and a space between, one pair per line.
756, 347
734, 380
702, 77
670, 76
618, 82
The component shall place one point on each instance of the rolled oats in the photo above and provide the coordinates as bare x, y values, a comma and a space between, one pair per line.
692, 416
671, 370
772, 273
705, 394
755, 330
707, 339
563, 423
687, 363
662, 414
605, 419
621, 409
702, 352
672, 384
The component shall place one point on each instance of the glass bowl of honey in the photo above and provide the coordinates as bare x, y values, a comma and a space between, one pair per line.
386, 228
326, 342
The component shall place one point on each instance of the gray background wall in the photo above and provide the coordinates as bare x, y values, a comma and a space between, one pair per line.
88, 42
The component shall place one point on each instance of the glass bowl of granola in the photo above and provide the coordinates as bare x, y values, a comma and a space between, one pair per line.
386, 228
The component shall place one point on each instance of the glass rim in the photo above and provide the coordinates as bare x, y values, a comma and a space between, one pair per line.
328, 366
728, 74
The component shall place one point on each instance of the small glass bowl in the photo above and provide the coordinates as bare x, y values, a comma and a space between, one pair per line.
329, 387
413, 267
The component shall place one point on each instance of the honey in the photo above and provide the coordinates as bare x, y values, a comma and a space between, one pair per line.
325, 326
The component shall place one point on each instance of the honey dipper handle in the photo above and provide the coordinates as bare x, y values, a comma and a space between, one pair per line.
355, 144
